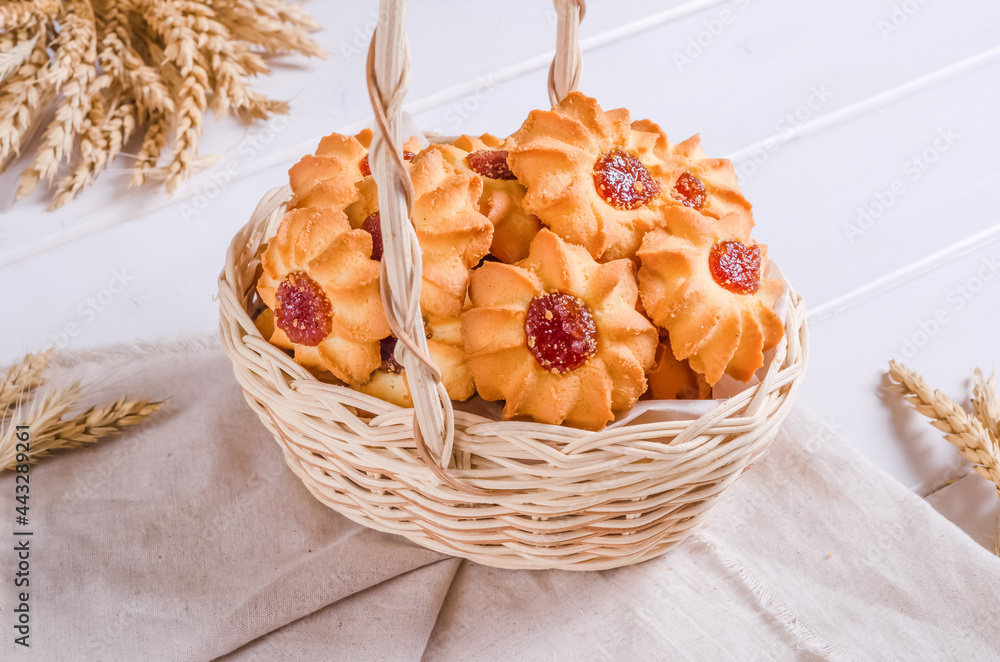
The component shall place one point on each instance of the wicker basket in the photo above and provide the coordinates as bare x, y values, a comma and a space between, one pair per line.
502, 493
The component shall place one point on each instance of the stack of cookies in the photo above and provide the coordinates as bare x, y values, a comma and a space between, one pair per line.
568, 270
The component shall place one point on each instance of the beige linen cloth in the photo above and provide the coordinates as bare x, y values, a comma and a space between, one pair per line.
189, 539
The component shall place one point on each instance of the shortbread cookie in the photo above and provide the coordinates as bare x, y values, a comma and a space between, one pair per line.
322, 286
701, 281
264, 321
589, 176
444, 344
557, 336
674, 379
453, 235
692, 179
328, 179
503, 195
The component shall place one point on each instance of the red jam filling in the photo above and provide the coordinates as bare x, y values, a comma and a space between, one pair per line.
690, 191
735, 266
373, 226
561, 332
366, 170
623, 181
490, 163
303, 310
389, 364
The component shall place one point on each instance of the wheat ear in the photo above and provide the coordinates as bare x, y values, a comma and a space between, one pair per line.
15, 15
73, 74
252, 22
152, 146
15, 49
106, 134
170, 19
22, 96
45, 412
21, 380
291, 14
49, 431
976, 439
175, 59
229, 61
985, 402
118, 57
965, 432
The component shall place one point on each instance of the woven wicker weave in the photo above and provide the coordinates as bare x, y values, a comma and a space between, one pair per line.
502, 493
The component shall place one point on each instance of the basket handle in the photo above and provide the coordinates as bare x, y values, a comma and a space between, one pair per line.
388, 73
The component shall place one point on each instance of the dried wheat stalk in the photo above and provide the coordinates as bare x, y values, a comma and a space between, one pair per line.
119, 58
21, 380
975, 436
104, 136
152, 146
985, 402
117, 69
171, 20
280, 11
49, 432
73, 73
15, 15
49, 419
255, 21
22, 96
16, 47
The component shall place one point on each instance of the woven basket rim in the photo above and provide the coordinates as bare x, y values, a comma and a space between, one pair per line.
382, 413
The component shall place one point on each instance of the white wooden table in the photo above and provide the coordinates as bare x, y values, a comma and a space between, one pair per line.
864, 133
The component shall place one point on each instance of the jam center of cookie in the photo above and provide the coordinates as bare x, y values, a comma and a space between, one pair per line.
366, 170
561, 332
490, 163
735, 266
690, 191
303, 310
373, 226
387, 346
623, 181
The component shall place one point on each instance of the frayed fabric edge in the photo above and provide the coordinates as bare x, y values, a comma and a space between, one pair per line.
803, 637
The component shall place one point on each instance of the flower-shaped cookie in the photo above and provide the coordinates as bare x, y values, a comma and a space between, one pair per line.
503, 195
322, 286
673, 379
701, 280
453, 235
589, 175
329, 178
444, 344
692, 179
557, 336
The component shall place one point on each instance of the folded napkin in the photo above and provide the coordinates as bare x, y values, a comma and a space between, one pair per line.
189, 539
